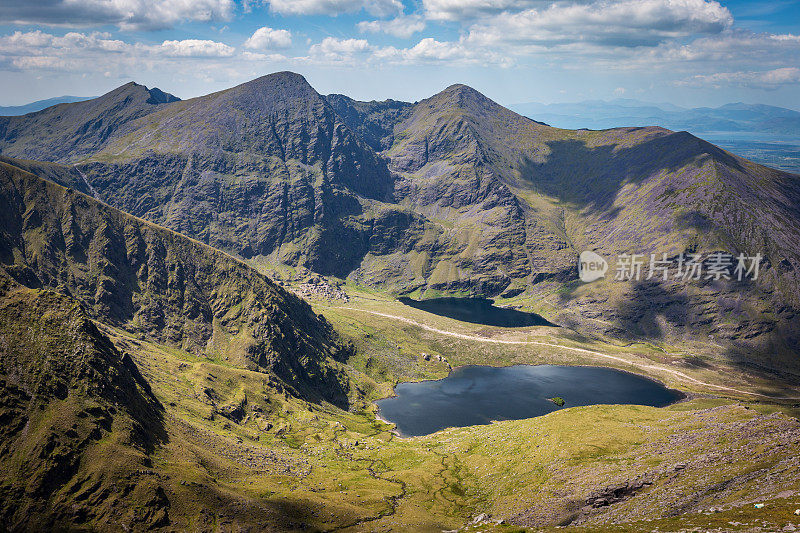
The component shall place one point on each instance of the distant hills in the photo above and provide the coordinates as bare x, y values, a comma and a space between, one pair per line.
15, 110
600, 114
454, 194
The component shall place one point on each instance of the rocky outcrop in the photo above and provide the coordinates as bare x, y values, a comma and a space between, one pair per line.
616, 493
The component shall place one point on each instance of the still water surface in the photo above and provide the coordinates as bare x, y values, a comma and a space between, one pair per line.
474, 395
477, 311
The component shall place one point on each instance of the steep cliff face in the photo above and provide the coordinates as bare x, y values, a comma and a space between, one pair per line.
373, 121
263, 168
152, 281
456, 153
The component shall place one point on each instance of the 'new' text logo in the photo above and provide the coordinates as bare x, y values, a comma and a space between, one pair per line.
591, 267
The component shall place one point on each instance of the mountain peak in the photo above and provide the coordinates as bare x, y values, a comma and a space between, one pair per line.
464, 98
462, 92
285, 84
76, 129
287, 76
140, 92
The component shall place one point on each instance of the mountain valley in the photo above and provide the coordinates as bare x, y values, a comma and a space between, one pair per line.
160, 372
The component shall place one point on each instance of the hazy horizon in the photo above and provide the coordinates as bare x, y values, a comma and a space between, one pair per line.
22, 103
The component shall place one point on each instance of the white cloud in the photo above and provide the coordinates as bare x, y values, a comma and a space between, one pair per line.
472, 9
196, 48
333, 49
624, 23
256, 56
430, 50
403, 26
769, 79
88, 52
126, 14
379, 8
735, 46
267, 38
38, 43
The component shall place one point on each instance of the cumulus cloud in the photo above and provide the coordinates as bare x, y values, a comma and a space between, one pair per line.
267, 38
333, 49
471, 9
126, 14
430, 50
196, 48
768, 79
403, 26
83, 52
37, 50
734, 45
626, 23
379, 8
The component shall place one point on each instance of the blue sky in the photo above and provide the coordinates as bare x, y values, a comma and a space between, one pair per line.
686, 52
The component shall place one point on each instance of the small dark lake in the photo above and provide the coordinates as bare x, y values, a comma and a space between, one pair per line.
473, 395
477, 311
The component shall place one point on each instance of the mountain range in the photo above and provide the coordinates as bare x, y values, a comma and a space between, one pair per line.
145, 332
454, 194
15, 110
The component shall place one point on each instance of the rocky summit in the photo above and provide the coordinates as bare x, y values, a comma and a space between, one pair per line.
200, 302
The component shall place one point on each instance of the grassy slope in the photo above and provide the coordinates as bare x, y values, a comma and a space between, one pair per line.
78, 421
282, 463
294, 465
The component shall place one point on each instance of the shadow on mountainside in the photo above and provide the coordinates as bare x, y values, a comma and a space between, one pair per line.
776, 352
650, 308
592, 177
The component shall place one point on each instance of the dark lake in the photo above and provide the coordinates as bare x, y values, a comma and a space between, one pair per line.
477, 311
473, 395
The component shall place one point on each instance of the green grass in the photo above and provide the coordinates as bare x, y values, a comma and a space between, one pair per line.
348, 468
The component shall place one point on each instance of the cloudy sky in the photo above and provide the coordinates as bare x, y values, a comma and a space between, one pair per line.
686, 52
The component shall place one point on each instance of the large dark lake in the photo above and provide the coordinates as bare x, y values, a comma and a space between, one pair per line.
474, 395
477, 311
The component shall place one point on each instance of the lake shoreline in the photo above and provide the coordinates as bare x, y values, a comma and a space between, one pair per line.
523, 390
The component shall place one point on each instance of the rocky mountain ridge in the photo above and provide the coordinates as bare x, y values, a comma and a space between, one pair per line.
150, 281
456, 194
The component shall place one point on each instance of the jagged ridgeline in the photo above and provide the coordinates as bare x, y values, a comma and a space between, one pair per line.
452, 194
150, 281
